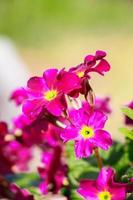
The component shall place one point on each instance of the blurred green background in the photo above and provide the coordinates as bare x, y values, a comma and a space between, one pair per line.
33, 22
59, 33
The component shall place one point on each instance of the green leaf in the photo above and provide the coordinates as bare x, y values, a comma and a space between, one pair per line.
129, 172
79, 168
127, 132
24, 180
129, 149
128, 112
75, 195
36, 193
116, 157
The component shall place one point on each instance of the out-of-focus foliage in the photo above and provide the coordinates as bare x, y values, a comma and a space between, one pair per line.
124, 130
128, 112
119, 156
25, 180
33, 21
128, 133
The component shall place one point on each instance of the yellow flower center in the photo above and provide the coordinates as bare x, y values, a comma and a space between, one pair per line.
80, 74
50, 95
104, 195
87, 132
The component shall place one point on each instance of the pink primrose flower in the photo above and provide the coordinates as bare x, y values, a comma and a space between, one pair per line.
104, 188
86, 129
49, 92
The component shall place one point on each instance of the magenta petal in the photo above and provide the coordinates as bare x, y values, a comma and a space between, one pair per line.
83, 148
78, 117
89, 59
97, 120
43, 187
100, 54
105, 177
102, 139
69, 134
38, 84
102, 104
102, 67
33, 107
57, 105
68, 82
118, 192
19, 95
50, 77
88, 190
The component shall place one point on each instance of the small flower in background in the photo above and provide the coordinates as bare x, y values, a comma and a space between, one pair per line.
104, 188
18, 96
14, 156
54, 172
101, 104
3, 132
19, 193
31, 132
39, 132
18, 155
86, 129
49, 92
129, 121
5, 163
13, 192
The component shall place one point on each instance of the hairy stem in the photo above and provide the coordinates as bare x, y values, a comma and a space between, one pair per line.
97, 155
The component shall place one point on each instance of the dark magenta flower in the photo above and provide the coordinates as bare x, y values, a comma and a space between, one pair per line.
5, 163
97, 63
129, 121
3, 132
18, 96
54, 173
18, 155
49, 92
87, 131
104, 188
92, 63
30, 132
14, 156
39, 132
19, 193
13, 192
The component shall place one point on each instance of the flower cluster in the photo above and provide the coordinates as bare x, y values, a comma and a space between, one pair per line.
52, 115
